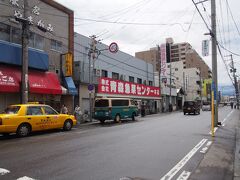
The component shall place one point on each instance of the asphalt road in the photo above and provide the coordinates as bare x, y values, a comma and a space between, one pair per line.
167, 146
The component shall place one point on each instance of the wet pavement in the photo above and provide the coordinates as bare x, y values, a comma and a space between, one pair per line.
167, 146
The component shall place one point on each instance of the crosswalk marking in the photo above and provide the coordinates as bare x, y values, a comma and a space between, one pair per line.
4, 171
25, 178
184, 175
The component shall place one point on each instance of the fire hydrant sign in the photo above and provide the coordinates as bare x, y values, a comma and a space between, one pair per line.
111, 86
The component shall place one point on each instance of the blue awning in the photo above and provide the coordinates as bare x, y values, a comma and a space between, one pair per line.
11, 53
70, 86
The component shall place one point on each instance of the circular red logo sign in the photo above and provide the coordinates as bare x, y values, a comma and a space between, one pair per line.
113, 47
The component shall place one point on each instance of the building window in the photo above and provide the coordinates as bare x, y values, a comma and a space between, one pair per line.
174, 51
16, 35
39, 41
115, 75
104, 73
176, 69
150, 83
4, 32
139, 80
56, 45
174, 47
131, 79
36, 41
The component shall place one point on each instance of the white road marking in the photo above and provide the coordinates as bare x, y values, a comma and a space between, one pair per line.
184, 175
4, 171
215, 129
209, 143
179, 165
204, 150
25, 178
223, 122
225, 119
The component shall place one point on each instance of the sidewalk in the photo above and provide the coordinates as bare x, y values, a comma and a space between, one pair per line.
94, 121
222, 161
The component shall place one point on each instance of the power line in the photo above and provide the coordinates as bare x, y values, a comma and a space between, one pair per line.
233, 18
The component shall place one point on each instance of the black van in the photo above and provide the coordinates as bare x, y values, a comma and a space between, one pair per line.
191, 107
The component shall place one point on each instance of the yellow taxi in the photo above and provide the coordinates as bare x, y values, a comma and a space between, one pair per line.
25, 118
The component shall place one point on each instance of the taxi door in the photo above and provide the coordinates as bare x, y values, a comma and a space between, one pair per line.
35, 116
52, 117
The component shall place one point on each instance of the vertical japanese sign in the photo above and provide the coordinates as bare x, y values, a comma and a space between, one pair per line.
111, 86
205, 47
163, 63
68, 64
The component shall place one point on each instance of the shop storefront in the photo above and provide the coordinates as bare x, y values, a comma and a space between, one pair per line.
43, 87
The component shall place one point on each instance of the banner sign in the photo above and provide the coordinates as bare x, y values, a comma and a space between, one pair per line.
163, 63
205, 47
111, 86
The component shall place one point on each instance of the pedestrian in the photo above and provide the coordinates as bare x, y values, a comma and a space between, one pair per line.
64, 109
142, 109
231, 103
78, 113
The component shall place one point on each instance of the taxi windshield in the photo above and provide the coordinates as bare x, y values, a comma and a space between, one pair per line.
11, 110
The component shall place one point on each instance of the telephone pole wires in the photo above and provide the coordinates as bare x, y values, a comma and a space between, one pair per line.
234, 70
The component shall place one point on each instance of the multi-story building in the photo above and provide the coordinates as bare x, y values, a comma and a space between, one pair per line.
150, 56
50, 37
114, 75
182, 60
177, 52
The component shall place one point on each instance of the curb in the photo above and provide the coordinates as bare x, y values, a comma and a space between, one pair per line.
237, 153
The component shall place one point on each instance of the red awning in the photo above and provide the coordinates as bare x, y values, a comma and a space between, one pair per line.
44, 83
39, 82
10, 78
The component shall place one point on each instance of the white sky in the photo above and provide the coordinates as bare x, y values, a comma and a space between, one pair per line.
162, 19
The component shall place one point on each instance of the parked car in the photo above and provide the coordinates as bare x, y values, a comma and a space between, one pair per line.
25, 118
206, 106
115, 109
191, 107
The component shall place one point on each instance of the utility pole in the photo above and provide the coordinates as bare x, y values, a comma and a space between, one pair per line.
184, 86
214, 60
91, 57
25, 36
159, 72
233, 70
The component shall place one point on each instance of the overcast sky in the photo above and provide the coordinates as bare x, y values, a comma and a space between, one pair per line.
138, 25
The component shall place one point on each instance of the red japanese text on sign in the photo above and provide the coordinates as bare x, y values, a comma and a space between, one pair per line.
111, 86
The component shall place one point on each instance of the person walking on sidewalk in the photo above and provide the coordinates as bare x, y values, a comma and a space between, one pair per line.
231, 103
142, 109
78, 113
64, 109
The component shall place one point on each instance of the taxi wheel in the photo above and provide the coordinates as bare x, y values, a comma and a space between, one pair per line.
67, 125
23, 130
117, 118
